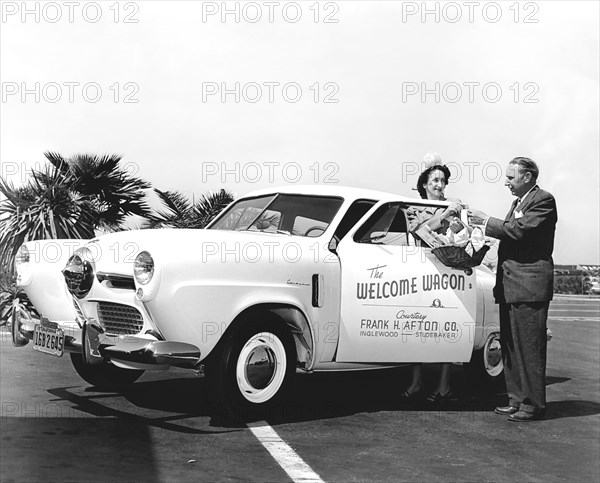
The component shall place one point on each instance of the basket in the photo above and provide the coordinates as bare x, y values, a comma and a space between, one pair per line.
457, 257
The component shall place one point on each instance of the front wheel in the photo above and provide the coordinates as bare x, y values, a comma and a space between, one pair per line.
486, 366
255, 369
105, 375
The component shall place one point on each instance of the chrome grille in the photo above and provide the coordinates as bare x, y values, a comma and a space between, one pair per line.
119, 319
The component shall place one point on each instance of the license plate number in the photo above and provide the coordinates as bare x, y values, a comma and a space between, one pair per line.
50, 340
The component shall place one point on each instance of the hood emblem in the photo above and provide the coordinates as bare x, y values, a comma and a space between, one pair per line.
79, 276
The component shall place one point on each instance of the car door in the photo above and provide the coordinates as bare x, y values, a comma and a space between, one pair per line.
399, 303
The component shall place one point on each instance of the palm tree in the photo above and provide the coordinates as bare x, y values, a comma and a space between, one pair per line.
114, 193
12, 300
70, 198
183, 213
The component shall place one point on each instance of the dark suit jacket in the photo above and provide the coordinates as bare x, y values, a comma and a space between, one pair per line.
525, 270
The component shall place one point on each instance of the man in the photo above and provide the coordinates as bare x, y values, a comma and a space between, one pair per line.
524, 284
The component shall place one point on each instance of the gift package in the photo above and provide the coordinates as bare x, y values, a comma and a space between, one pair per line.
460, 247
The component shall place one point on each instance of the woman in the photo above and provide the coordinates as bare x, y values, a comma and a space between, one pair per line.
431, 186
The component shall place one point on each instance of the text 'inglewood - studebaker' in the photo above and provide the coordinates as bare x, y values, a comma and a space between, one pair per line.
297, 279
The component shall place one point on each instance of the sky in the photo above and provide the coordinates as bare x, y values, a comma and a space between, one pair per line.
198, 96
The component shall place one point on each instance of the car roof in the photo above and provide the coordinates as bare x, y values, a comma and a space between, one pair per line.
346, 192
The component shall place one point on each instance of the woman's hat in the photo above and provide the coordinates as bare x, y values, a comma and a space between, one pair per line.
431, 160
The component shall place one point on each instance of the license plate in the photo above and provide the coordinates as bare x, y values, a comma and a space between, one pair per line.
48, 338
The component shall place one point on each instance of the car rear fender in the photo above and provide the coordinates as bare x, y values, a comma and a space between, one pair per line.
490, 314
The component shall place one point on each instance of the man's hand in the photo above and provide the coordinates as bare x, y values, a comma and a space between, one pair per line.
476, 217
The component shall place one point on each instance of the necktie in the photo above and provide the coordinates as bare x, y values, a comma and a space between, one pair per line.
512, 208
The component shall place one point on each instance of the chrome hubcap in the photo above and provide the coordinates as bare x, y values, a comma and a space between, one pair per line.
493, 356
261, 367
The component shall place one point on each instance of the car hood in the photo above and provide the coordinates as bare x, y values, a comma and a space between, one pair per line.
116, 252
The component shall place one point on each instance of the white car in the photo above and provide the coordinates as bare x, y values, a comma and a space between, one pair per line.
296, 279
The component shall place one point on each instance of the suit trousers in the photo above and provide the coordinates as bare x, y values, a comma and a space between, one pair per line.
524, 343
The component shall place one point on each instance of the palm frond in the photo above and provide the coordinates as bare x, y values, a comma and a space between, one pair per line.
209, 206
115, 192
57, 161
68, 198
178, 210
181, 213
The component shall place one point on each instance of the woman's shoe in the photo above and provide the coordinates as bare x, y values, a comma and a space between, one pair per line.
438, 400
411, 397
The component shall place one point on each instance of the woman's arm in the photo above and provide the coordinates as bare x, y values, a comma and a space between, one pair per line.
435, 222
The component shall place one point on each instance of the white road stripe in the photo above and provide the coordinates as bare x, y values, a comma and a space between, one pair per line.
574, 304
581, 319
285, 456
574, 310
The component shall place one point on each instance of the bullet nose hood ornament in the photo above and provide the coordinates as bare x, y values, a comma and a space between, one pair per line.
79, 276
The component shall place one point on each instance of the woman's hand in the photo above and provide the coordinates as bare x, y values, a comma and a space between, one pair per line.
453, 210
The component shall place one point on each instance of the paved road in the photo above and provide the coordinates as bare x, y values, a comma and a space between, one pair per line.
343, 427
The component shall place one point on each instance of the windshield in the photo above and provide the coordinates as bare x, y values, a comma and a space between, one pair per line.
288, 214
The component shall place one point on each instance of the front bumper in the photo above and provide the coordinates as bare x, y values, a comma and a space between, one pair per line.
153, 352
135, 352
132, 352
22, 326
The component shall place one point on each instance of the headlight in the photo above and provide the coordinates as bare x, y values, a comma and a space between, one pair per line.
22, 265
143, 268
22, 258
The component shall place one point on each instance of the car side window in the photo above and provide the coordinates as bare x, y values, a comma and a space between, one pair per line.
387, 226
268, 221
356, 211
308, 226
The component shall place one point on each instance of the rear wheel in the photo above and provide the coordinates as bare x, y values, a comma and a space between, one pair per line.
255, 368
105, 375
486, 366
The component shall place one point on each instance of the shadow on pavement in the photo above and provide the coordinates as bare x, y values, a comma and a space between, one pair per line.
571, 409
315, 397
556, 380
41, 448
90, 405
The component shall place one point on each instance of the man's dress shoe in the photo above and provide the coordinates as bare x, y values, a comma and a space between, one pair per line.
506, 410
525, 417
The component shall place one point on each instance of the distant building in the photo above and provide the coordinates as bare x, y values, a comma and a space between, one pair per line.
577, 279
567, 269
564, 269
589, 268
